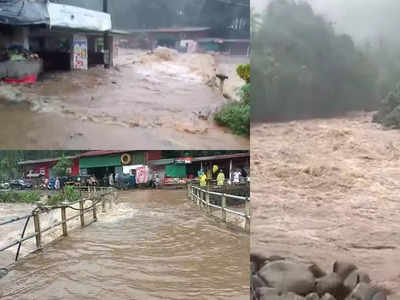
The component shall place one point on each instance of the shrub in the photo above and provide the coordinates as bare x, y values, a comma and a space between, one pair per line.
56, 199
244, 72
389, 112
19, 197
235, 116
70, 194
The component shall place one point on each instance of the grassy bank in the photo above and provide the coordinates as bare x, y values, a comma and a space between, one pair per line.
32, 197
19, 197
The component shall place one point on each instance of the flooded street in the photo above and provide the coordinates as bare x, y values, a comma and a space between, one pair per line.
327, 190
168, 100
151, 245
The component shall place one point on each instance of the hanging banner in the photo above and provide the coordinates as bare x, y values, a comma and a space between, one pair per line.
79, 52
142, 175
69, 16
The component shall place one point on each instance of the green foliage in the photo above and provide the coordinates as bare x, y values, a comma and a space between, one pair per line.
244, 72
301, 68
389, 112
244, 93
56, 199
19, 197
71, 194
236, 116
60, 169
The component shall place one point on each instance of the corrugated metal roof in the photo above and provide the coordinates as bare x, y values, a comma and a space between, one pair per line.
220, 40
221, 157
100, 153
38, 161
161, 162
172, 29
168, 161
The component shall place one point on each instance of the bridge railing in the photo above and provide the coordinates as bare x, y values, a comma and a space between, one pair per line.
227, 204
96, 196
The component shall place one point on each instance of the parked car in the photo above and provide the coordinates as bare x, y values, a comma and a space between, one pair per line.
20, 184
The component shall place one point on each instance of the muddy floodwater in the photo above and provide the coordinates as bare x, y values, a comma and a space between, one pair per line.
325, 190
163, 98
151, 245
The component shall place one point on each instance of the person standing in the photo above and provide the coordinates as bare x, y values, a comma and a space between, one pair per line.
111, 180
203, 180
220, 178
57, 184
236, 176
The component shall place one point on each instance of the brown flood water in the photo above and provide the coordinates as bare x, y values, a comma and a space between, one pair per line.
165, 103
151, 245
327, 190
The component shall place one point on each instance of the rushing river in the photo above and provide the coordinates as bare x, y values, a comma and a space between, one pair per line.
166, 103
151, 245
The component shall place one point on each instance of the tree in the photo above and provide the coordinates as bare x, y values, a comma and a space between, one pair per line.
302, 68
60, 169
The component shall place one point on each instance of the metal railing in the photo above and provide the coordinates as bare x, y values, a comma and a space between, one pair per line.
97, 196
202, 197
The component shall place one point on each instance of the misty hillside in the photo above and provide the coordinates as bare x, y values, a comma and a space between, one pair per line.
305, 67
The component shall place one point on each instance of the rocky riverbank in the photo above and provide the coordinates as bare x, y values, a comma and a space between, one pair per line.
279, 278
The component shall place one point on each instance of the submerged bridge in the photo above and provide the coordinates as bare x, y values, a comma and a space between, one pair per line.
152, 244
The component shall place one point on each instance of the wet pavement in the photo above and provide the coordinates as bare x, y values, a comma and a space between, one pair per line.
151, 245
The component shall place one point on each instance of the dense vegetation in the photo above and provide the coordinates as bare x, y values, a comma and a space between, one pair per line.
236, 115
302, 68
19, 197
389, 112
31, 197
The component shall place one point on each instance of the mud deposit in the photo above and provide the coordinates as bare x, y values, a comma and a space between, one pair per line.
324, 190
168, 97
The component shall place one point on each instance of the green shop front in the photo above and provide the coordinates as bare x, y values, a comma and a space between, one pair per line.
171, 171
102, 165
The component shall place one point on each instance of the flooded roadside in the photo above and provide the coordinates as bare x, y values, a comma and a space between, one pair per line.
152, 245
168, 101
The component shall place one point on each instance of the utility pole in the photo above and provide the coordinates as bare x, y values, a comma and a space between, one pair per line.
107, 42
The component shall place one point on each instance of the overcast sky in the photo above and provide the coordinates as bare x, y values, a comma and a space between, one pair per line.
362, 19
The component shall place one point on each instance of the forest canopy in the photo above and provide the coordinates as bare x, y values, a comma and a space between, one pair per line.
302, 68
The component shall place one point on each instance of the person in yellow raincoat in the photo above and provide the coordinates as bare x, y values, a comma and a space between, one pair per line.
203, 180
220, 178
215, 169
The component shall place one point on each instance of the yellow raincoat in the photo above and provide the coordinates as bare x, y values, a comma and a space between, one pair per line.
203, 180
221, 179
215, 168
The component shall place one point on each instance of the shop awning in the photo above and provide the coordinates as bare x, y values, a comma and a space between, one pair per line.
23, 12
100, 161
68, 16
175, 171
